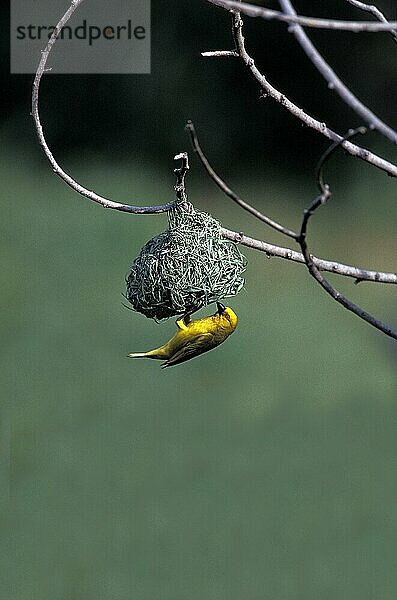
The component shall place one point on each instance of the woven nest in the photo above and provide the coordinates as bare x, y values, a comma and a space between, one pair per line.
184, 268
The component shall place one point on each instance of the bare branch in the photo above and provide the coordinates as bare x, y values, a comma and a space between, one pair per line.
376, 12
322, 198
333, 80
322, 128
358, 274
225, 188
271, 250
323, 265
252, 10
105, 202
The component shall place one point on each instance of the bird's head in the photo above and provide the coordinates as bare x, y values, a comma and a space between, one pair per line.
227, 313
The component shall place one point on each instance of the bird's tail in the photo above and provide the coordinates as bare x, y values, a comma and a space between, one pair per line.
157, 353
137, 355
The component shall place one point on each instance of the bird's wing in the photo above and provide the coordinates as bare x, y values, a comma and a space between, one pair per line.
192, 348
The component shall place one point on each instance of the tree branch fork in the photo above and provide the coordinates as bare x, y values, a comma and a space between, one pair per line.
315, 265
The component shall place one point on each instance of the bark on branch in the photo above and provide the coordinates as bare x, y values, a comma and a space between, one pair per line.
371, 8
334, 83
315, 265
251, 10
320, 200
356, 273
105, 202
270, 90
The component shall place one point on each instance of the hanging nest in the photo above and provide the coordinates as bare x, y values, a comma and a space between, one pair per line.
186, 267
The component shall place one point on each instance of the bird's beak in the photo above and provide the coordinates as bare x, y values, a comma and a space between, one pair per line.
221, 307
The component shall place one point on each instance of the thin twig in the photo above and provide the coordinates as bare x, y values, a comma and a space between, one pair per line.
322, 128
219, 53
357, 273
371, 8
105, 202
333, 80
266, 13
226, 189
180, 173
322, 198
270, 249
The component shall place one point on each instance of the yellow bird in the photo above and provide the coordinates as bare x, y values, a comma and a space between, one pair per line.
194, 337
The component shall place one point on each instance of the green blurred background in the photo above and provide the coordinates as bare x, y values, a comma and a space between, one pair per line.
264, 469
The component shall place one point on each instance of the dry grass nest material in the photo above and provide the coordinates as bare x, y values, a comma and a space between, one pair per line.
186, 267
